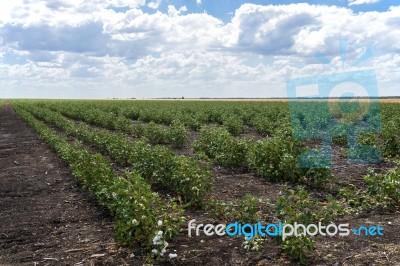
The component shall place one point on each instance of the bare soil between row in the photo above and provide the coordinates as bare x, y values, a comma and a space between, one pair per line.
48, 220
45, 217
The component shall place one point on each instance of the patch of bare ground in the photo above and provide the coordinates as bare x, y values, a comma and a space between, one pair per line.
359, 249
350, 173
231, 184
45, 218
362, 249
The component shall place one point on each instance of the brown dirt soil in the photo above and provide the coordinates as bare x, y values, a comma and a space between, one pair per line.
45, 218
230, 184
59, 221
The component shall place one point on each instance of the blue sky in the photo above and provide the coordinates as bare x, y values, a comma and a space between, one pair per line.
191, 48
225, 9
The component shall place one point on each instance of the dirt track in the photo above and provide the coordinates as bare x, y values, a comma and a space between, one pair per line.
45, 218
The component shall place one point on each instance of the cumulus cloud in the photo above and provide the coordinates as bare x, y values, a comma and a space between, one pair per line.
136, 33
173, 12
81, 39
304, 29
199, 65
300, 29
361, 2
154, 4
115, 44
269, 29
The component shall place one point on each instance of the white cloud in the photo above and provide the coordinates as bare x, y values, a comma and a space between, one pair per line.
362, 2
300, 29
199, 65
125, 3
304, 30
173, 12
154, 4
131, 52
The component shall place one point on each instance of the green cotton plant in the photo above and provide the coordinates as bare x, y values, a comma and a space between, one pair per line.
391, 138
193, 123
123, 125
154, 163
385, 188
93, 115
254, 244
158, 164
265, 125
130, 199
277, 158
218, 144
249, 209
299, 248
139, 212
297, 205
357, 199
156, 134
191, 180
139, 130
93, 170
177, 135
185, 176
233, 124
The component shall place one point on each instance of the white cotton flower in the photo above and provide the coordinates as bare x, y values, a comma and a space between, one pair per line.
172, 255
155, 251
135, 222
160, 223
156, 240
